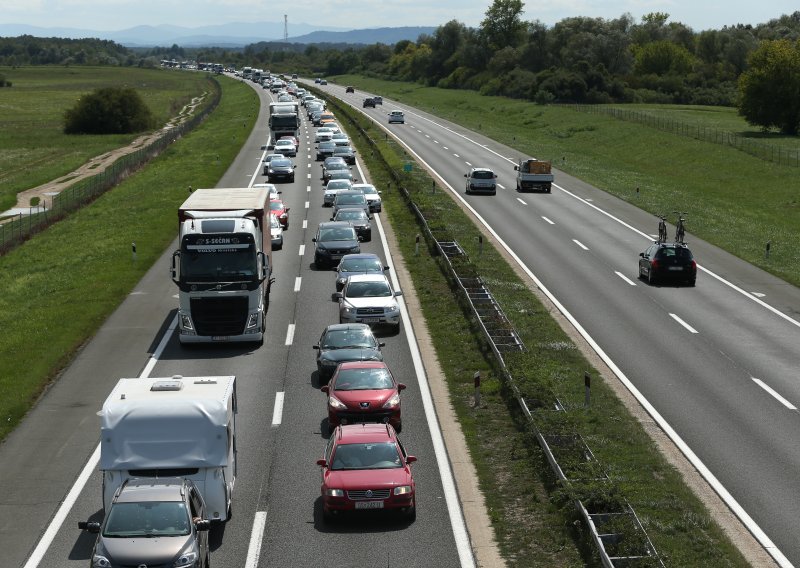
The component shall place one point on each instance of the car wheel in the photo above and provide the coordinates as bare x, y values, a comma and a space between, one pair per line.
651, 278
208, 562
399, 427
327, 516
692, 282
411, 512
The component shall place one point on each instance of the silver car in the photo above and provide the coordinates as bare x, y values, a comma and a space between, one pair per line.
373, 196
370, 299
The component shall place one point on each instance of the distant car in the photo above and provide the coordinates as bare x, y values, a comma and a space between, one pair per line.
291, 139
280, 169
365, 467
152, 524
481, 180
350, 199
340, 137
346, 342
397, 116
341, 174
345, 152
276, 232
285, 147
323, 133
361, 263
279, 209
668, 261
317, 80
325, 149
370, 299
285, 98
323, 82
369, 102
357, 217
378, 100
373, 196
333, 240
268, 158
349, 89
364, 391
273, 191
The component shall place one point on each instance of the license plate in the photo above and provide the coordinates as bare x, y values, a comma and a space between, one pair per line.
220, 338
369, 504
676, 268
371, 320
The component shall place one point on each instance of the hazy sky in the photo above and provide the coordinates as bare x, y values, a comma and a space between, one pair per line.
358, 14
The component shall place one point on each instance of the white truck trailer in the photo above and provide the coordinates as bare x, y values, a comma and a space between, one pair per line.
223, 268
172, 427
534, 174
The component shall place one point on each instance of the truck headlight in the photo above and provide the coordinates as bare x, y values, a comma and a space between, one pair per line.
186, 322
252, 321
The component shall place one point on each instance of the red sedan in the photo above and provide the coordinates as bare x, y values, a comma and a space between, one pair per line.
277, 208
363, 391
366, 468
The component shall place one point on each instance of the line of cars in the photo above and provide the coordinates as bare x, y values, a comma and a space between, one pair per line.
365, 466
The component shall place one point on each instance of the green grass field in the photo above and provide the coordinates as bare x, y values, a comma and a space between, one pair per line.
44, 314
33, 148
735, 201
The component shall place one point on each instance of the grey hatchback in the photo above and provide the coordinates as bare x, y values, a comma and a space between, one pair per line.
152, 522
334, 240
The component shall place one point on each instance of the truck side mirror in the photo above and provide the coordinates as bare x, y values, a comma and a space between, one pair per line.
202, 525
173, 270
516, 168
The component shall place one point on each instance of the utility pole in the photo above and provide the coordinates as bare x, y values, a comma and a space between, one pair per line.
285, 28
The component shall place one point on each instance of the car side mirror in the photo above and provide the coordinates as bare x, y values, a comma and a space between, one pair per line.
465, 175
315, 347
324, 388
89, 526
411, 459
386, 268
202, 525
516, 168
401, 386
331, 218
641, 254
322, 463
313, 239
381, 344
264, 147
398, 293
336, 296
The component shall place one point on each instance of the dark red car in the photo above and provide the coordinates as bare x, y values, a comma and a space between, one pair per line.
280, 211
366, 468
363, 391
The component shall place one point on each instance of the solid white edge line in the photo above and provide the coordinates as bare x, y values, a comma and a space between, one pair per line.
774, 394
683, 323
277, 412
548, 220
706, 473
289, 334
459, 527
254, 548
625, 278
72, 496
297, 282
580, 244
258, 168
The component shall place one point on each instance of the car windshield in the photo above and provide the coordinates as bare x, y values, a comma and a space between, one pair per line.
273, 222
338, 184
329, 144
280, 163
351, 215
382, 455
149, 518
341, 150
368, 290
363, 379
351, 199
284, 143
361, 265
337, 234
482, 175
348, 339
276, 205
368, 189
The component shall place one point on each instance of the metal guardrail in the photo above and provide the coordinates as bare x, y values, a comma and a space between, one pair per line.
616, 547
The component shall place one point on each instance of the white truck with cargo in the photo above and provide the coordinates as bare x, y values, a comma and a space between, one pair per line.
223, 268
534, 174
284, 120
172, 427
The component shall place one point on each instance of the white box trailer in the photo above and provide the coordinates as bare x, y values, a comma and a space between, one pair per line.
172, 427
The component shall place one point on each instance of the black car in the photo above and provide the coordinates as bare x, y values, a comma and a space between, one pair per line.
363, 263
330, 164
280, 169
345, 152
357, 217
346, 342
325, 149
334, 239
369, 102
152, 522
349, 89
668, 261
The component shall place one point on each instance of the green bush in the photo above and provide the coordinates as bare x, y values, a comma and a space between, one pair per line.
110, 110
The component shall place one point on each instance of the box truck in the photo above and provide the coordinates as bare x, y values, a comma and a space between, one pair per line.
172, 427
223, 268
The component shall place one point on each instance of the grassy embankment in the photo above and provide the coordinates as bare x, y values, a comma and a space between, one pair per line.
530, 514
59, 287
734, 200
34, 149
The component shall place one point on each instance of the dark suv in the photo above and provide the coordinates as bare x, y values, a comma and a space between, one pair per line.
369, 102
153, 522
668, 261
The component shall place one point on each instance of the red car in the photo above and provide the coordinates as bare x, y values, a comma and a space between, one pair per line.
363, 391
366, 468
280, 211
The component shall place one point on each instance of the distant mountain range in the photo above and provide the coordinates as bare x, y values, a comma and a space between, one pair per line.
223, 35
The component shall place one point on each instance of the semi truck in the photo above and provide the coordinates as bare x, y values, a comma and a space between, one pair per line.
172, 427
534, 174
284, 120
223, 268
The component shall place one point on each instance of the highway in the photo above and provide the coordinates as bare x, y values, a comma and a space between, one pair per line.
277, 518
716, 362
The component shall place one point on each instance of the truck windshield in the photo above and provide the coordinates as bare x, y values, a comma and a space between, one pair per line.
219, 258
284, 120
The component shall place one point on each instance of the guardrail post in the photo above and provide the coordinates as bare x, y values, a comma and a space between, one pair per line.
133, 252
416, 246
587, 385
477, 379
480, 245
766, 249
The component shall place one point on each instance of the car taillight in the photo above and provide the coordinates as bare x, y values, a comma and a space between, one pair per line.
694, 265
654, 264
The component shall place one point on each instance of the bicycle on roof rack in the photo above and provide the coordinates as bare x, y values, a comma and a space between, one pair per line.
662, 228
680, 227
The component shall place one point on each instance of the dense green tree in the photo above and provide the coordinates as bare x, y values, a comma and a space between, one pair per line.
110, 110
769, 91
503, 25
663, 58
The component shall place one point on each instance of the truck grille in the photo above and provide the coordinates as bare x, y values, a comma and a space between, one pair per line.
362, 495
219, 316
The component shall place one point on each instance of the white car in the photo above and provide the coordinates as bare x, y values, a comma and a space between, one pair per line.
273, 191
323, 134
373, 196
276, 232
370, 299
332, 188
285, 147
397, 116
